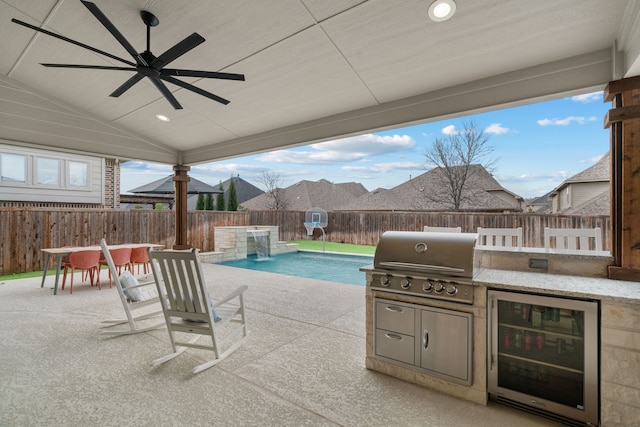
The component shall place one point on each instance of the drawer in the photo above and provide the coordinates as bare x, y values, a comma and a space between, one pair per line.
395, 346
395, 318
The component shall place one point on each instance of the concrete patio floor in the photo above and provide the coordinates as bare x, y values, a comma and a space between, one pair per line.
303, 364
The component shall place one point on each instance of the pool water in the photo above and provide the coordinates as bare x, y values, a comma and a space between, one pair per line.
312, 265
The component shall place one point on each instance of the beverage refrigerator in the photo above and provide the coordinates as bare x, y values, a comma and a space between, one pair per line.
543, 355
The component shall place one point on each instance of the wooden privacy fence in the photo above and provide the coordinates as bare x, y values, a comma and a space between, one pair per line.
24, 231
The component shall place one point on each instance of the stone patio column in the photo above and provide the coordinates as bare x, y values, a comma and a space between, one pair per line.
624, 121
181, 179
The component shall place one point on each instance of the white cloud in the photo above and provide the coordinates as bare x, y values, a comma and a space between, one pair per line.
136, 166
588, 97
385, 167
566, 121
343, 150
450, 130
370, 143
497, 129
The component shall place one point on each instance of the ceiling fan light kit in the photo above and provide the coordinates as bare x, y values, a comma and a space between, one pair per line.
146, 63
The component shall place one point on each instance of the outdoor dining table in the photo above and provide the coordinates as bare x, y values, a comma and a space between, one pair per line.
62, 252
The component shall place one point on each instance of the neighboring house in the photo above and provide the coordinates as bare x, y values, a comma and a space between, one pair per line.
482, 193
244, 191
32, 177
540, 204
305, 195
587, 187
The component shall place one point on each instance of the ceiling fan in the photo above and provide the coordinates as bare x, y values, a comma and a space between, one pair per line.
146, 63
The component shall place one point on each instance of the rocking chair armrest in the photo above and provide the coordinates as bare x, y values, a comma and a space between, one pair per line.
146, 283
231, 296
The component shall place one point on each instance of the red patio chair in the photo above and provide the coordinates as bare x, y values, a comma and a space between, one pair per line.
86, 261
139, 257
121, 258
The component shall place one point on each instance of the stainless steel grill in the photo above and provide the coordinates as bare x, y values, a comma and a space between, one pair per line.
428, 264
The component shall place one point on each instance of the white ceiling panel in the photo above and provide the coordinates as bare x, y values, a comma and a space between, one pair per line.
314, 69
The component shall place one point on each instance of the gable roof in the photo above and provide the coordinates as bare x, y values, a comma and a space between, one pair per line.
305, 195
244, 191
413, 194
597, 173
599, 205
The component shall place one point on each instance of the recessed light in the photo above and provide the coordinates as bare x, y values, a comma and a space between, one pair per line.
441, 10
162, 118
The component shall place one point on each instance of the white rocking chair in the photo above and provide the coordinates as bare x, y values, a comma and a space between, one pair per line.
189, 311
140, 298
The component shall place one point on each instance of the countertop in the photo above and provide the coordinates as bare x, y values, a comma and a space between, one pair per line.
560, 285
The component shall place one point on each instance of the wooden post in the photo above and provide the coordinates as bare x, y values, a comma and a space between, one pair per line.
624, 121
181, 180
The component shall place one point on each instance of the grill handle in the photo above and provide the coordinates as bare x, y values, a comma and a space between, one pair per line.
426, 339
421, 267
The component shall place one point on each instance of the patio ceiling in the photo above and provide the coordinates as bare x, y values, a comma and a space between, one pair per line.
315, 69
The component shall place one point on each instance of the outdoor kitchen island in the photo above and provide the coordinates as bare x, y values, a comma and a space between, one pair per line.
618, 327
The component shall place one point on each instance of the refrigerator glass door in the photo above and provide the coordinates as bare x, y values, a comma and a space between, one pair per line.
544, 353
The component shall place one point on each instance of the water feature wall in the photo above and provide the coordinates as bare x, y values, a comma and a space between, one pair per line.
260, 243
238, 242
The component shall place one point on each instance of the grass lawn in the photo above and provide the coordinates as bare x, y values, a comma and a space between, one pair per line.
316, 245
25, 275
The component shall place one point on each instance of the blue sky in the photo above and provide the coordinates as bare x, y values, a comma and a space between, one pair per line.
536, 146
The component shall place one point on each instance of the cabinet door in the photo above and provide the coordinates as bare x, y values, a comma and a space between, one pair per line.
446, 343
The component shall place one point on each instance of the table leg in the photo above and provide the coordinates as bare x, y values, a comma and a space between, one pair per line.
46, 267
58, 265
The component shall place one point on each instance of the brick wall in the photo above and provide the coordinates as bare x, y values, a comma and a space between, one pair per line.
111, 192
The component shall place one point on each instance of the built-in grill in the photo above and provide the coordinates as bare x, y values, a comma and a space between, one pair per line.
428, 264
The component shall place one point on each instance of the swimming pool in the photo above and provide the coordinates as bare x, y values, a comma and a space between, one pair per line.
312, 265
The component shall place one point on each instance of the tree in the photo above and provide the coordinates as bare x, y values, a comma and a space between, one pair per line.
273, 182
200, 202
208, 202
232, 204
455, 157
220, 206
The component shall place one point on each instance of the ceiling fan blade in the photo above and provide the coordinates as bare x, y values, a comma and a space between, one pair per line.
205, 74
166, 92
114, 31
127, 85
68, 40
93, 67
177, 50
195, 89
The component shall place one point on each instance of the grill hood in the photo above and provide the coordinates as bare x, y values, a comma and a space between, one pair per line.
433, 253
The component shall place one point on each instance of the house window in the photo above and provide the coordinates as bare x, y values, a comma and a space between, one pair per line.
78, 174
13, 168
48, 171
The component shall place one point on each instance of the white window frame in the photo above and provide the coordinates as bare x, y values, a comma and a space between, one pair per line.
36, 172
87, 177
25, 169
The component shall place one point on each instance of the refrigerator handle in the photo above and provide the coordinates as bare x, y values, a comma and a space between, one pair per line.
490, 360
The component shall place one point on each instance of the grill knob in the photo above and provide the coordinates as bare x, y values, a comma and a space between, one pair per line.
384, 281
427, 287
405, 284
438, 288
452, 289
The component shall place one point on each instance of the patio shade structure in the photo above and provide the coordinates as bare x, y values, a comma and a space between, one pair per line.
315, 71
167, 186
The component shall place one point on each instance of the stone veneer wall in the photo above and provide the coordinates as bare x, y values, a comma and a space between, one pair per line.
236, 242
620, 364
